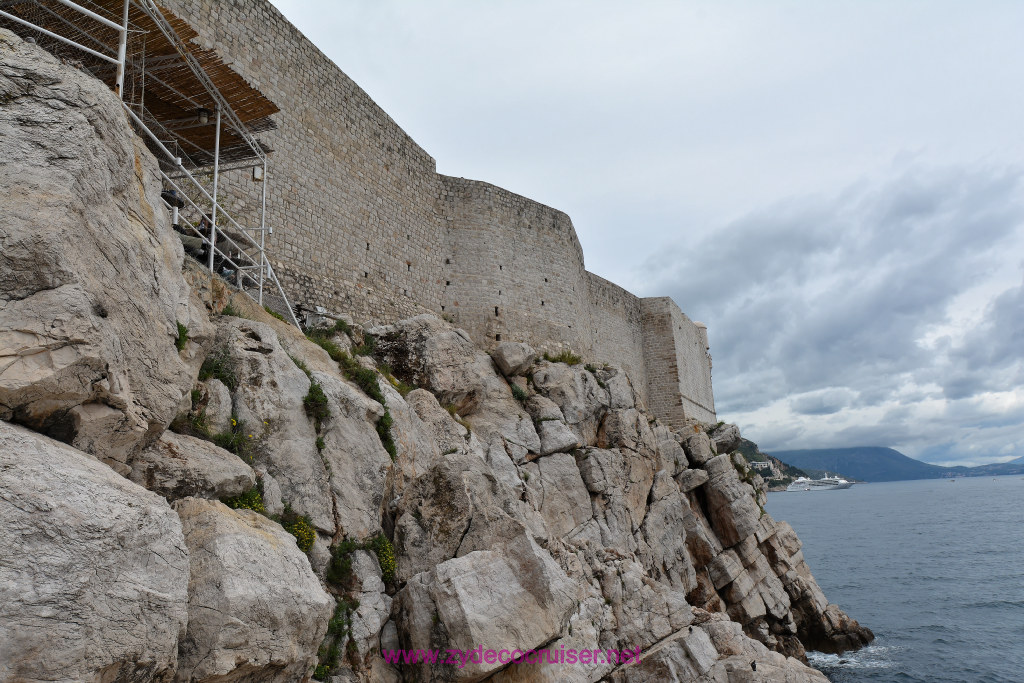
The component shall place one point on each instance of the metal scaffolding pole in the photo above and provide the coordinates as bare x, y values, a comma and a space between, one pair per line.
263, 229
122, 47
216, 177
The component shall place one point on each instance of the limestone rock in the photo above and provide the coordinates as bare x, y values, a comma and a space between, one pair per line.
732, 507
218, 407
256, 611
272, 499
620, 389
577, 393
698, 449
355, 455
513, 358
374, 604
726, 438
94, 570
688, 480
425, 351
179, 466
556, 437
621, 478
511, 596
627, 428
269, 398
561, 497
91, 290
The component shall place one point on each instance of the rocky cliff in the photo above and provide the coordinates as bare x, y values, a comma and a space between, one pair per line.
191, 490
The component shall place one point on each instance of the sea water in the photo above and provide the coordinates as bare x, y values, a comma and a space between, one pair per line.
934, 567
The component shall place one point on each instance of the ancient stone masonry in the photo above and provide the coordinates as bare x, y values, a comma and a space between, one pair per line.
364, 225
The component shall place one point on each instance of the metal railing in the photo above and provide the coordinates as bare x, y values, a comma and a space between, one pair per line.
248, 261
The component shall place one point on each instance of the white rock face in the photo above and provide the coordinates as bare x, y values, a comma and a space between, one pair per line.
269, 402
93, 573
256, 610
218, 406
513, 358
179, 466
85, 361
513, 596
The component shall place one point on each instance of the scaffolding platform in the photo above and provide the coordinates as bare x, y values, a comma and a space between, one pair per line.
198, 116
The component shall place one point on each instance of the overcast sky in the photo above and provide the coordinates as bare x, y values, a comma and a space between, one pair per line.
835, 188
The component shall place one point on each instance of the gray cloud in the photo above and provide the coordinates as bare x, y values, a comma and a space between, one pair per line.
827, 300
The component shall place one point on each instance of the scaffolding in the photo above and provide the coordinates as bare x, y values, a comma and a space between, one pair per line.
174, 92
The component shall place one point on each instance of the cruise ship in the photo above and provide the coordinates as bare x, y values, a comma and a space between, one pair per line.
824, 484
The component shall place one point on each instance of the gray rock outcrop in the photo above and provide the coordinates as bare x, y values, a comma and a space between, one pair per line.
256, 610
83, 360
180, 466
94, 570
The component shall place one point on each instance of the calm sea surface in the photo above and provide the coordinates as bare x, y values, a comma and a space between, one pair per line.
935, 569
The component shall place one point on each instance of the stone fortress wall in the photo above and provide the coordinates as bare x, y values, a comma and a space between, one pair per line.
364, 224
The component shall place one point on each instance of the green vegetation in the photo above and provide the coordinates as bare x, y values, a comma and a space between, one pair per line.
364, 378
182, 338
219, 365
250, 500
339, 572
518, 392
274, 313
300, 527
367, 347
339, 630
229, 309
315, 403
566, 356
192, 424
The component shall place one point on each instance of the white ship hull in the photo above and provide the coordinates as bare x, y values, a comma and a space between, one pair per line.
825, 484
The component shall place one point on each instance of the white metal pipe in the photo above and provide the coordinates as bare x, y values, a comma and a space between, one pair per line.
122, 48
92, 15
216, 177
263, 232
61, 38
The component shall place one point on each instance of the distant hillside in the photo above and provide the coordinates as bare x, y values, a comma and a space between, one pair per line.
874, 463
779, 476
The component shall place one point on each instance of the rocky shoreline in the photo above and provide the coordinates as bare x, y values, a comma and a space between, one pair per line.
192, 490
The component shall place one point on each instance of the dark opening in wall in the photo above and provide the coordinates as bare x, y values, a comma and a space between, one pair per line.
501, 267
541, 302
497, 337
447, 261
545, 279
447, 283
442, 308
408, 237
366, 274
367, 246
495, 311
405, 292
408, 267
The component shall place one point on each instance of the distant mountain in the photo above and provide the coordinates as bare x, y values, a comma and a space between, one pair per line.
874, 463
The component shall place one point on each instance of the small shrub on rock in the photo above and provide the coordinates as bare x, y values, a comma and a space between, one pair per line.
316, 405
250, 500
182, 339
566, 356
300, 527
219, 366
